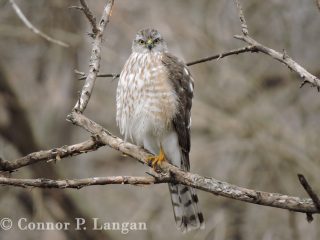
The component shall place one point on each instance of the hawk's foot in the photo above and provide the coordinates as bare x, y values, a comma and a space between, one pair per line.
156, 161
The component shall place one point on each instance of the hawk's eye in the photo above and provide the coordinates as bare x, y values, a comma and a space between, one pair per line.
157, 40
140, 41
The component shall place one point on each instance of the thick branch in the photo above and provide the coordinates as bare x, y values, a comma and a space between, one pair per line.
53, 154
108, 138
33, 28
104, 137
94, 60
80, 183
206, 184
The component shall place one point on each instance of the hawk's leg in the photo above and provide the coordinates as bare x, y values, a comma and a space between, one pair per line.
157, 160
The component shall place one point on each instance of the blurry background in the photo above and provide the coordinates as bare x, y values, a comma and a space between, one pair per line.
252, 125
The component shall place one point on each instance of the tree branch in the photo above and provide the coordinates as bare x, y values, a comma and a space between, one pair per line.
309, 190
95, 57
210, 185
90, 17
224, 54
108, 138
281, 57
103, 75
80, 183
311, 193
52, 154
92, 20
285, 59
33, 28
244, 26
201, 60
206, 184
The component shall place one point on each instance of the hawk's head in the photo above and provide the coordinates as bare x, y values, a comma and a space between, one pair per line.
148, 40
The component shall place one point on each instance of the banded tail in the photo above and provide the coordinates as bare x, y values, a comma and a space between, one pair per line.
185, 208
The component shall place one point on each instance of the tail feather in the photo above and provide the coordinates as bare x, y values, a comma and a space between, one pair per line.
185, 208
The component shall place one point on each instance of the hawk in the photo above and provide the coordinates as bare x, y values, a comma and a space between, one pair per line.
154, 98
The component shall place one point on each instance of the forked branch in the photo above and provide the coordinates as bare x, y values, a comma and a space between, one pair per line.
94, 65
283, 57
169, 172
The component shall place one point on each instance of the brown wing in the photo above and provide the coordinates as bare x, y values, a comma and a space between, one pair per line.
182, 82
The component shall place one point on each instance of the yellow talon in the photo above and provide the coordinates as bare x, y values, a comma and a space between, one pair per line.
156, 160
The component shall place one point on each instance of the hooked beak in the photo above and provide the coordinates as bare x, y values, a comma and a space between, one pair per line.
149, 44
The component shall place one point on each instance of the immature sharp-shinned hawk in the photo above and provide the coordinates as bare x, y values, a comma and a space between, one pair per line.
154, 98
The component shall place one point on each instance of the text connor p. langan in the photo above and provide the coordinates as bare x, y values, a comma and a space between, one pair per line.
96, 224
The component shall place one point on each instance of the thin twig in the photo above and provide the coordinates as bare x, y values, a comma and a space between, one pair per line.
222, 55
310, 191
33, 28
94, 60
201, 60
76, 71
104, 75
90, 17
244, 26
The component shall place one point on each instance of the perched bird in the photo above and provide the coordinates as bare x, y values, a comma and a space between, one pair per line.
154, 98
